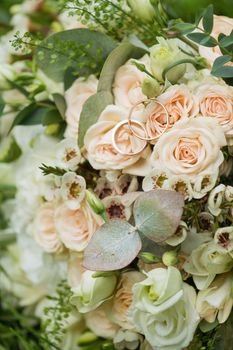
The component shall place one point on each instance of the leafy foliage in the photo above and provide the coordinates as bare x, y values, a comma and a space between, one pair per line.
46, 170
108, 249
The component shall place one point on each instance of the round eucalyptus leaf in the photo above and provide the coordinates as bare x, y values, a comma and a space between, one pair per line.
113, 246
158, 213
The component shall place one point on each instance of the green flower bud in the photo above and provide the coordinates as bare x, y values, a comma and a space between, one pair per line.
95, 203
87, 338
9, 150
151, 87
170, 258
149, 258
52, 129
142, 9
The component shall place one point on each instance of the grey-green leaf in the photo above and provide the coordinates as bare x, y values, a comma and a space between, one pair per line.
60, 103
117, 58
82, 50
208, 19
113, 246
91, 112
158, 213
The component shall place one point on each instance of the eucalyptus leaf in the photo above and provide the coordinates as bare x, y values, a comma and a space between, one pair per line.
60, 103
113, 246
158, 213
82, 50
208, 19
91, 111
219, 69
202, 39
116, 59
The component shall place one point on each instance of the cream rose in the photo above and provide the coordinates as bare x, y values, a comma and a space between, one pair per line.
216, 101
179, 102
128, 82
123, 298
101, 152
216, 301
99, 323
45, 232
223, 25
75, 97
191, 147
163, 309
76, 227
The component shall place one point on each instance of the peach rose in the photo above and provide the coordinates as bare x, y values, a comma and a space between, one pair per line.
123, 299
45, 232
75, 97
128, 81
223, 25
192, 147
101, 152
216, 101
76, 227
179, 103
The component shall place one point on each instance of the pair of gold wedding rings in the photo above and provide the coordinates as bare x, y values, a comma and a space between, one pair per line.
133, 124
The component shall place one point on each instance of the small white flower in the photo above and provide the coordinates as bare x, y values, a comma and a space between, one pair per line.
215, 199
49, 187
116, 208
224, 237
229, 193
179, 236
203, 184
154, 180
179, 183
68, 154
73, 189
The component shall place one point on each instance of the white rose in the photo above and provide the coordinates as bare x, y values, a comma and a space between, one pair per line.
163, 309
92, 291
127, 88
75, 97
101, 152
123, 298
45, 232
191, 147
223, 25
216, 301
205, 262
76, 227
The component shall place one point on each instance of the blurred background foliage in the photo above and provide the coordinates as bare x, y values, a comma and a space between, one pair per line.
187, 9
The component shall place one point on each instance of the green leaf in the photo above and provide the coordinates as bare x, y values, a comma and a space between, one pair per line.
82, 50
7, 238
226, 40
24, 115
51, 116
113, 246
219, 68
202, 39
116, 59
158, 213
2, 105
91, 111
208, 19
184, 28
60, 103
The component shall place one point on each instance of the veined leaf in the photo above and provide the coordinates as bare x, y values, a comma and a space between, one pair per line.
158, 213
208, 19
113, 246
202, 39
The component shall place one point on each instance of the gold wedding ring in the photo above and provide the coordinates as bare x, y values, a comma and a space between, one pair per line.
118, 127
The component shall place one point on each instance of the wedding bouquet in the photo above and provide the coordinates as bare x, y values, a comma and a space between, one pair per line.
116, 164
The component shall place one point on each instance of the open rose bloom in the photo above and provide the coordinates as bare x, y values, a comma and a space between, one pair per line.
116, 178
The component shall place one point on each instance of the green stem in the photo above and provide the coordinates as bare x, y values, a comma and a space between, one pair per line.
104, 216
185, 60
